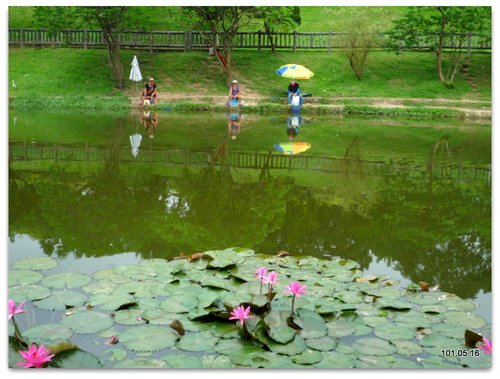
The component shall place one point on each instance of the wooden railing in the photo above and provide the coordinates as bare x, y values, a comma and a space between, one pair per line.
263, 160
194, 40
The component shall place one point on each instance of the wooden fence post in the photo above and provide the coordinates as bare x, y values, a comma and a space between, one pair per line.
85, 38
329, 42
21, 34
294, 41
151, 43
259, 42
188, 40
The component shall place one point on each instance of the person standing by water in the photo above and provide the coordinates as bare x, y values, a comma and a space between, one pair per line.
150, 93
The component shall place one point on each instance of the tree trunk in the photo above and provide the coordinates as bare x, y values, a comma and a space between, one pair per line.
271, 38
113, 45
439, 49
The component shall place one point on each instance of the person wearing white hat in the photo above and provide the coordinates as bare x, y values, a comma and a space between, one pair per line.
234, 91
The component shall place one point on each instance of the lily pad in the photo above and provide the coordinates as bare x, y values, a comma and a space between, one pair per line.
141, 363
394, 332
378, 361
60, 300
203, 341
48, 334
335, 359
158, 317
294, 347
399, 305
183, 361
172, 306
340, 328
88, 322
467, 320
277, 326
110, 302
35, 263
66, 279
226, 258
30, 292
312, 324
407, 347
148, 338
321, 344
132, 316
115, 354
223, 329
308, 357
373, 346
216, 361
75, 359
24, 277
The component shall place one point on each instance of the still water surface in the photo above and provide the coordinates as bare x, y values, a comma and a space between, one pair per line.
408, 199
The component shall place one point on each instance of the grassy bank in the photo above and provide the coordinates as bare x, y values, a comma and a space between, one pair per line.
74, 72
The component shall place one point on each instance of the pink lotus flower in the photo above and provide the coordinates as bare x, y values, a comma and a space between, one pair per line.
296, 289
261, 273
271, 278
113, 340
487, 347
13, 310
35, 357
241, 314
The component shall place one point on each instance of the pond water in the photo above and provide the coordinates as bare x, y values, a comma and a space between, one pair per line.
405, 198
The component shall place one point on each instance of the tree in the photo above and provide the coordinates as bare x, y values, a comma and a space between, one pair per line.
227, 20
451, 27
111, 20
362, 34
277, 18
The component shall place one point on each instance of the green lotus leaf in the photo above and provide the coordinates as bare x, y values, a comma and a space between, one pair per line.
340, 328
148, 338
453, 303
146, 303
213, 281
135, 272
312, 324
139, 289
102, 287
308, 357
88, 322
350, 297
141, 363
111, 276
24, 277
426, 298
294, 347
225, 258
407, 347
206, 296
360, 328
342, 348
233, 300
387, 292
321, 344
216, 361
48, 334
30, 292
374, 321
334, 359
277, 326
449, 330
433, 309
158, 317
399, 305
183, 361
245, 272
405, 363
223, 329
110, 302
375, 361
439, 341
200, 313
107, 333
373, 346
156, 264
131, 316
115, 354
438, 362
394, 332
66, 279
60, 300
172, 306
467, 320
35, 263
232, 345
414, 319
203, 341
75, 359
178, 266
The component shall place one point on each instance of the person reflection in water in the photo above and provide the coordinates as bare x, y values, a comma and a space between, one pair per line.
293, 124
234, 125
150, 121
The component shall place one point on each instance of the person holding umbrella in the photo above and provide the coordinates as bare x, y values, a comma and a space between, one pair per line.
293, 90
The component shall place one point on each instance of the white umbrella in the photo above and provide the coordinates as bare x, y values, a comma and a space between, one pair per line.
135, 141
135, 72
